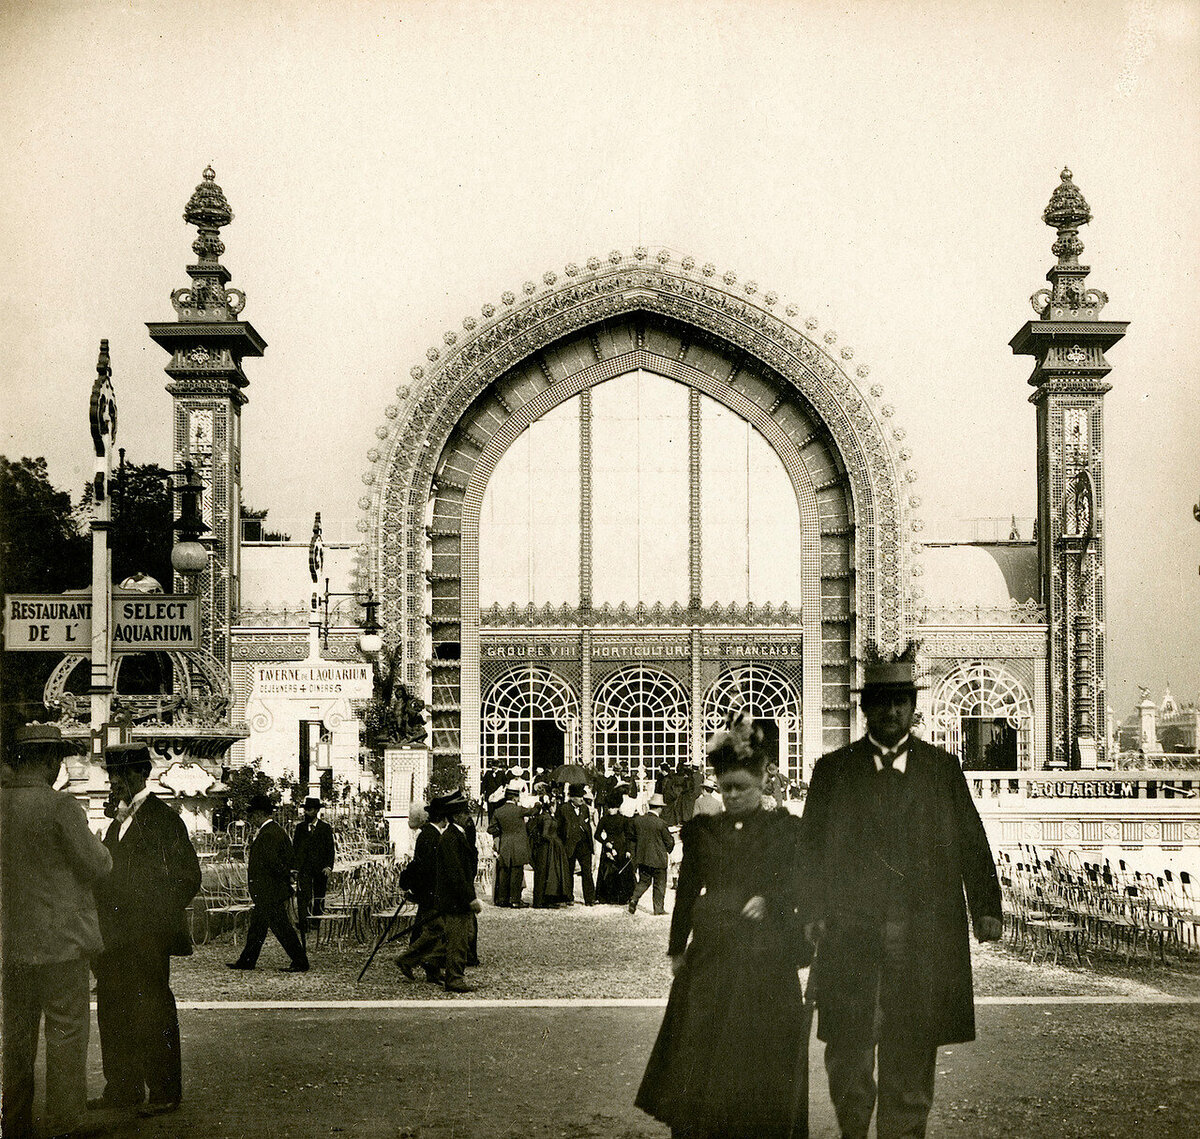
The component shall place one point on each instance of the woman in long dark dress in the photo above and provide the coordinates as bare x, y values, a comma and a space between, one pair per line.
551, 866
616, 876
731, 1058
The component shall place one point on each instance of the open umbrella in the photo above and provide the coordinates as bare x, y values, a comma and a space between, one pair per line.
569, 773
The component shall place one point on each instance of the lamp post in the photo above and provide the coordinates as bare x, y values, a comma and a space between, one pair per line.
103, 419
369, 640
188, 555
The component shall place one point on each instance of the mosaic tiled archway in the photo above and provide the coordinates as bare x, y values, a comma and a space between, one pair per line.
728, 342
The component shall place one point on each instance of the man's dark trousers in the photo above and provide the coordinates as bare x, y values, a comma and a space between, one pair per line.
582, 854
458, 935
906, 1065
310, 898
647, 875
139, 1025
272, 916
510, 884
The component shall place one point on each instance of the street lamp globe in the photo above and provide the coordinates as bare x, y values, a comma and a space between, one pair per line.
189, 557
370, 643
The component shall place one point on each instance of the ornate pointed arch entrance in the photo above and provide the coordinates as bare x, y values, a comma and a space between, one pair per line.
720, 339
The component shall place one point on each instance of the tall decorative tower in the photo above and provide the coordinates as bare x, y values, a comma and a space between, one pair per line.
207, 342
1068, 342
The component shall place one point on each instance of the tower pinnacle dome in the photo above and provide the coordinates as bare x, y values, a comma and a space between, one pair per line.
208, 211
1067, 208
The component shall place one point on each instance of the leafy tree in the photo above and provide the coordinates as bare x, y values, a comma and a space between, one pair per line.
244, 783
259, 532
41, 551
143, 515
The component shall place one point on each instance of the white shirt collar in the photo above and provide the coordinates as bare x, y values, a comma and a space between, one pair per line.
126, 812
900, 751
266, 822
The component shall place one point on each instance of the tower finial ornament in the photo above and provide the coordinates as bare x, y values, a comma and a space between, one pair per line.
208, 299
1067, 298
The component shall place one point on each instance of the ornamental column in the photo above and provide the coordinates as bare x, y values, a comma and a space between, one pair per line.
1068, 341
207, 342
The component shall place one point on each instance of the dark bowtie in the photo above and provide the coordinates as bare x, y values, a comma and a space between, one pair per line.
888, 758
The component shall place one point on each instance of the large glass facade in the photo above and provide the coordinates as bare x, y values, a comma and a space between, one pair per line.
749, 524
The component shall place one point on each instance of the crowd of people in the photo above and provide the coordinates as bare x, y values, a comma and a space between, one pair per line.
876, 885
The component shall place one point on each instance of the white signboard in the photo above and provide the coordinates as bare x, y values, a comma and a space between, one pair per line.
155, 621
47, 623
51, 622
315, 680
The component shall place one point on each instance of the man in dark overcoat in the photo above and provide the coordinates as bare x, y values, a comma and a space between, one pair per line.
314, 851
141, 905
269, 878
574, 819
427, 940
891, 840
512, 847
454, 890
653, 843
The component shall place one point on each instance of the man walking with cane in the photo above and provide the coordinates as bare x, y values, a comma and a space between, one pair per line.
892, 839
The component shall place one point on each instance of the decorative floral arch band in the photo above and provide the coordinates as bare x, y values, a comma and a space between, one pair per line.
441, 391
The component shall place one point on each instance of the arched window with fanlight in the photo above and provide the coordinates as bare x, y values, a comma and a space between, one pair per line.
772, 699
640, 722
984, 716
530, 721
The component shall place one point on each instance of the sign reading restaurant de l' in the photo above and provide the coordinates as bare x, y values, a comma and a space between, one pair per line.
51, 622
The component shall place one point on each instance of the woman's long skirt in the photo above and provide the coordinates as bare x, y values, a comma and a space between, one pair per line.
731, 1058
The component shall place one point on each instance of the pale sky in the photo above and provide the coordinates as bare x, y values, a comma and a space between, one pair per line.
391, 167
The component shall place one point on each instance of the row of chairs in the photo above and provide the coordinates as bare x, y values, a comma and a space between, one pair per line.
360, 896
1056, 904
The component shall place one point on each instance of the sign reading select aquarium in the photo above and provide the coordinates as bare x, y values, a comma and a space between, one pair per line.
63, 623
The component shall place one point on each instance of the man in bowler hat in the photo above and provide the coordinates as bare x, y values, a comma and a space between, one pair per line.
142, 904
574, 819
446, 940
269, 878
313, 849
50, 929
892, 840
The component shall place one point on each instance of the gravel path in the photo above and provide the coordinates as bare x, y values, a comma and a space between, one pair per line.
602, 952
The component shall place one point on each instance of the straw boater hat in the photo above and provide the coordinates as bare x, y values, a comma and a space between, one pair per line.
656, 800
120, 757
890, 672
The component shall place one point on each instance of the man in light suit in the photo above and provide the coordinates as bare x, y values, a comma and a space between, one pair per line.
269, 878
49, 929
891, 840
512, 849
574, 818
142, 904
